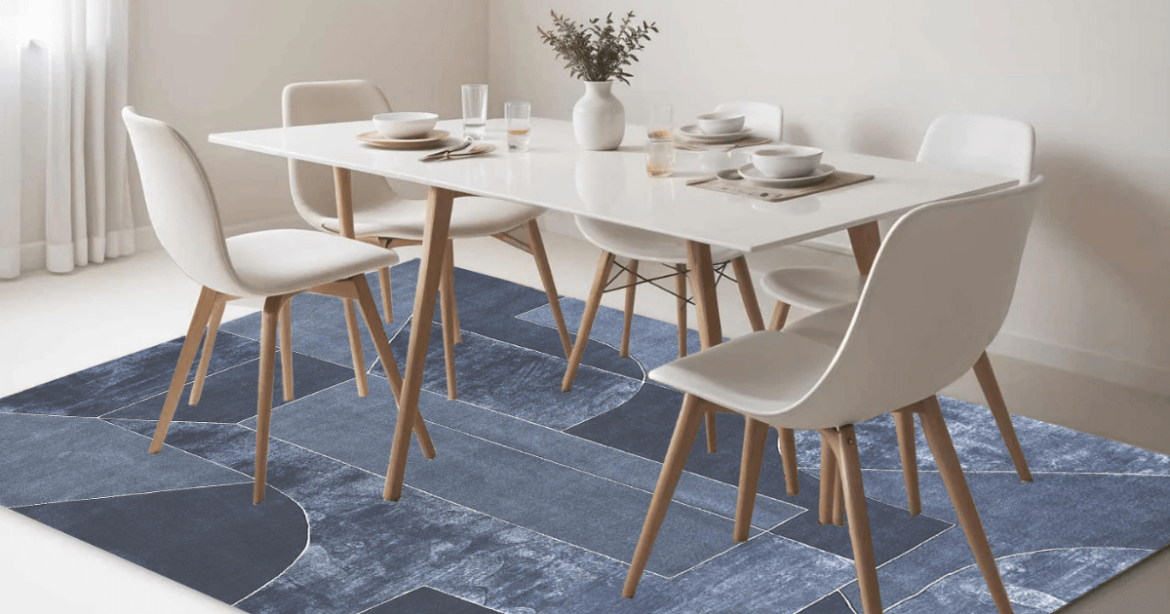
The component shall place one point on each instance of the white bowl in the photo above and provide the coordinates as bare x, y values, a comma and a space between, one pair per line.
787, 161
406, 125
719, 123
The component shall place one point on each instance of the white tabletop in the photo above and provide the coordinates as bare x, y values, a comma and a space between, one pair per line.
614, 186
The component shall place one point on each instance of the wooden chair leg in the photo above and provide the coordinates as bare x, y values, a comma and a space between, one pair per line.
863, 557
627, 324
680, 289
208, 347
788, 457
829, 480
369, 311
779, 315
951, 471
271, 314
449, 263
199, 319
709, 424
286, 353
536, 245
355, 349
755, 437
447, 309
591, 305
839, 500
387, 301
904, 424
747, 292
987, 380
676, 459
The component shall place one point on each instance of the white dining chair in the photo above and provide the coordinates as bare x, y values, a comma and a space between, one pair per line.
275, 264
636, 246
937, 295
381, 214
975, 143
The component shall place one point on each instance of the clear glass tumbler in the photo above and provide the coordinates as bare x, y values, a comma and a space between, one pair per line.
660, 141
475, 97
518, 115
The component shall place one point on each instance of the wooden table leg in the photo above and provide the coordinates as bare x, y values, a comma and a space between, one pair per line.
430, 273
707, 307
866, 240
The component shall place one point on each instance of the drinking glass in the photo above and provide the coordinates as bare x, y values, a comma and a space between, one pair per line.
474, 111
518, 115
660, 141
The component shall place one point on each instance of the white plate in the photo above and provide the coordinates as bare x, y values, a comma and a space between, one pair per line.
753, 175
692, 132
434, 138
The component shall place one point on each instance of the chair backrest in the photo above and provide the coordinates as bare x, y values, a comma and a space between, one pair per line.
765, 120
180, 202
938, 294
327, 102
981, 144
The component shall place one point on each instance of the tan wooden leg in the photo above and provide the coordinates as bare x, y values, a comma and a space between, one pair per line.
369, 311
387, 301
839, 499
779, 315
449, 263
987, 380
447, 298
904, 424
434, 244
680, 288
286, 353
355, 349
788, 456
866, 239
271, 314
755, 436
829, 480
943, 449
199, 319
208, 347
707, 308
859, 535
631, 289
676, 459
591, 304
536, 245
747, 292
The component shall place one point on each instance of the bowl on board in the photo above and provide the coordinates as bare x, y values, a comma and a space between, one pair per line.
787, 161
405, 125
719, 123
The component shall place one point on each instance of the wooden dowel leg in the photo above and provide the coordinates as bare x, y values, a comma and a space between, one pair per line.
863, 557
286, 353
447, 309
591, 305
208, 348
779, 315
387, 300
680, 289
755, 436
839, 499
747, 292
199, 319
449, 263
987, 380
676, 459
904, 424
951, 471
712, 436
828, 481
788, 457
355, 349
271, 314
707, 307
627, 324
536, 245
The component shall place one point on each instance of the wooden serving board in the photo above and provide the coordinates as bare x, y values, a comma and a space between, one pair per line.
741, 187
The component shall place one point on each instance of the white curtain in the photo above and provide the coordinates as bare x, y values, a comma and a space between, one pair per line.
82, 66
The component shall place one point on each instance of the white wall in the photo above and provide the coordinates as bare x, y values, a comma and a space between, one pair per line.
1093, 76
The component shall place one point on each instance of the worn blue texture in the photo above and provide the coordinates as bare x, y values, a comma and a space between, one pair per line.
536, 498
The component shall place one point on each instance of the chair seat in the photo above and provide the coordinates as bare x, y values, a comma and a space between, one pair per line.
759, 374
643, 245
274, 262
827, 327
470, 217
813, 288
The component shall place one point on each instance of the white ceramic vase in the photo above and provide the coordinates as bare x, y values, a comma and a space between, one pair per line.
599, 119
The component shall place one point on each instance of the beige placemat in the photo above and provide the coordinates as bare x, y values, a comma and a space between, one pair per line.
741, 187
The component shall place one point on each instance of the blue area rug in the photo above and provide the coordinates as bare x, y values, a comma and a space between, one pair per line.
536, 499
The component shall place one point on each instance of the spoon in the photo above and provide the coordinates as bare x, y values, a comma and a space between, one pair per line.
446, 152
474, 151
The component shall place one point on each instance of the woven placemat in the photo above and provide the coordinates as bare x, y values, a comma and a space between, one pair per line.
741, 187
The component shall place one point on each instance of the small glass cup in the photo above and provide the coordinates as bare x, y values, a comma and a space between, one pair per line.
518, 116
660, 141
475, 98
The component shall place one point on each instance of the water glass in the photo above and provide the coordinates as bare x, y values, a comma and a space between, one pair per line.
659, 158
474, 111
518, 115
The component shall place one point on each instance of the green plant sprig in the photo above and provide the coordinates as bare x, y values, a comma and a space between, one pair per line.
600, 51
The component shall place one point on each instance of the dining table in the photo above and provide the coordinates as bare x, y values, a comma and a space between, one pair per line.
613, 186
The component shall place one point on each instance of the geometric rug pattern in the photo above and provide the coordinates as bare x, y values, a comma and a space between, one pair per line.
536, 499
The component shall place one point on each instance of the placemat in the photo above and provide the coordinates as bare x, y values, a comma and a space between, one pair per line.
741, 187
